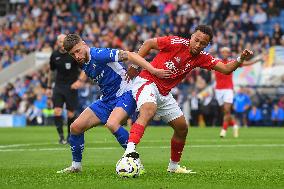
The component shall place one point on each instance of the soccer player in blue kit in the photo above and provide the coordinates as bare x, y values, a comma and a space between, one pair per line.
104, 66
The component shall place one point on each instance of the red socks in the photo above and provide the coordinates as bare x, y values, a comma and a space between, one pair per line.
225, 125
176, 150
232, 122
136, 133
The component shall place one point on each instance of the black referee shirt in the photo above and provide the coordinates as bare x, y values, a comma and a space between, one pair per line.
67, 68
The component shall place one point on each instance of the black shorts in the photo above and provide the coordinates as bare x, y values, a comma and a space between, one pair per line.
240, 115
64, 94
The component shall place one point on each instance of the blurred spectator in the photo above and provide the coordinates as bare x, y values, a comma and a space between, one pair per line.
241, 105
24, 104
126, 24
34, 116
277, 115
281, 102
208, 109
266, 108
254, 116
194, 108
260, 16
48, 113
277, 34
272, 10
34, 26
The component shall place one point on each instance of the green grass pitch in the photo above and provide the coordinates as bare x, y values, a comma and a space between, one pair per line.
30, 157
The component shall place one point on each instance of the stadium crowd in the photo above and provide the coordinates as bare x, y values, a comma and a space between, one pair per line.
238, 24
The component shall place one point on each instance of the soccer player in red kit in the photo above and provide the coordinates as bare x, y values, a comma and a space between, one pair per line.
153, 94
225, 94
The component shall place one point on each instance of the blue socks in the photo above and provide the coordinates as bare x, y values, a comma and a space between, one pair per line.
77, 142
122, 136
77, 146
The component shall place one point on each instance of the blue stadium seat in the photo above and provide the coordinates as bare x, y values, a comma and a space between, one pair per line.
274, 20
282, 13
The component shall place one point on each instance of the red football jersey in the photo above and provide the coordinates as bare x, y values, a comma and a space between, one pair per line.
175, 55
224, 81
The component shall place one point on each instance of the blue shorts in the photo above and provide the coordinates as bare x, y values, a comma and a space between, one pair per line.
102, 108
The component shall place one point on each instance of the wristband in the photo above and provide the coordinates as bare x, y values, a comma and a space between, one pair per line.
239, 60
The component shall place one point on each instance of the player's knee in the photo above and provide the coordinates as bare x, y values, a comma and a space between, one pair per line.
75, 128
148, 113
227, 112
112, 125
183, 131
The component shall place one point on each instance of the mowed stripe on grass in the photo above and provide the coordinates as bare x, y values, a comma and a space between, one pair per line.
31, 156
142, 147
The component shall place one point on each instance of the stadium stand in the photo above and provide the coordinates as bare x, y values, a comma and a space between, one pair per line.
32, 26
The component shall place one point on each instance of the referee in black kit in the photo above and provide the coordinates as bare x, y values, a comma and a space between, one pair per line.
65, 73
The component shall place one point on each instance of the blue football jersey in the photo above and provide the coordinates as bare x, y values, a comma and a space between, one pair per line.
104, 69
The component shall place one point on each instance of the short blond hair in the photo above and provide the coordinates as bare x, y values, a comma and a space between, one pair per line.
225, 49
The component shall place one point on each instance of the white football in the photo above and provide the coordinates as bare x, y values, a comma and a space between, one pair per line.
128, 167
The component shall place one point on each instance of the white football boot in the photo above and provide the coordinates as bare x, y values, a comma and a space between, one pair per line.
76, 167
223, 133
182, 170
236, 131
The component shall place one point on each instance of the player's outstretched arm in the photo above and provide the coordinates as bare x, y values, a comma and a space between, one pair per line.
229, 68
147, 46
251, 62
144, 50
138, 60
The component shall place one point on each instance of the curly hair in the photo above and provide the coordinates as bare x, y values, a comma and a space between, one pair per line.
206, 30
70, 41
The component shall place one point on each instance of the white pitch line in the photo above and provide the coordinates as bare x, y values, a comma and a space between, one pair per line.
145, 141
148, 147
23, 145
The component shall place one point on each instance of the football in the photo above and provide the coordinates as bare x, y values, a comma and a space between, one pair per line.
128, 167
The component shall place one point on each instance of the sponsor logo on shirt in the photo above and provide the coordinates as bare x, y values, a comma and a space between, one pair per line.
99, 77
188, 64
171, 66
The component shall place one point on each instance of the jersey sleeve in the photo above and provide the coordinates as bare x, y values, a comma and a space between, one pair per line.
105, 55
52, 62
208, 61
164, 43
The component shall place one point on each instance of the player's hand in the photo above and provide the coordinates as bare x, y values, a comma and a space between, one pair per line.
77, 85
48, 92
161, 73
246, 54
